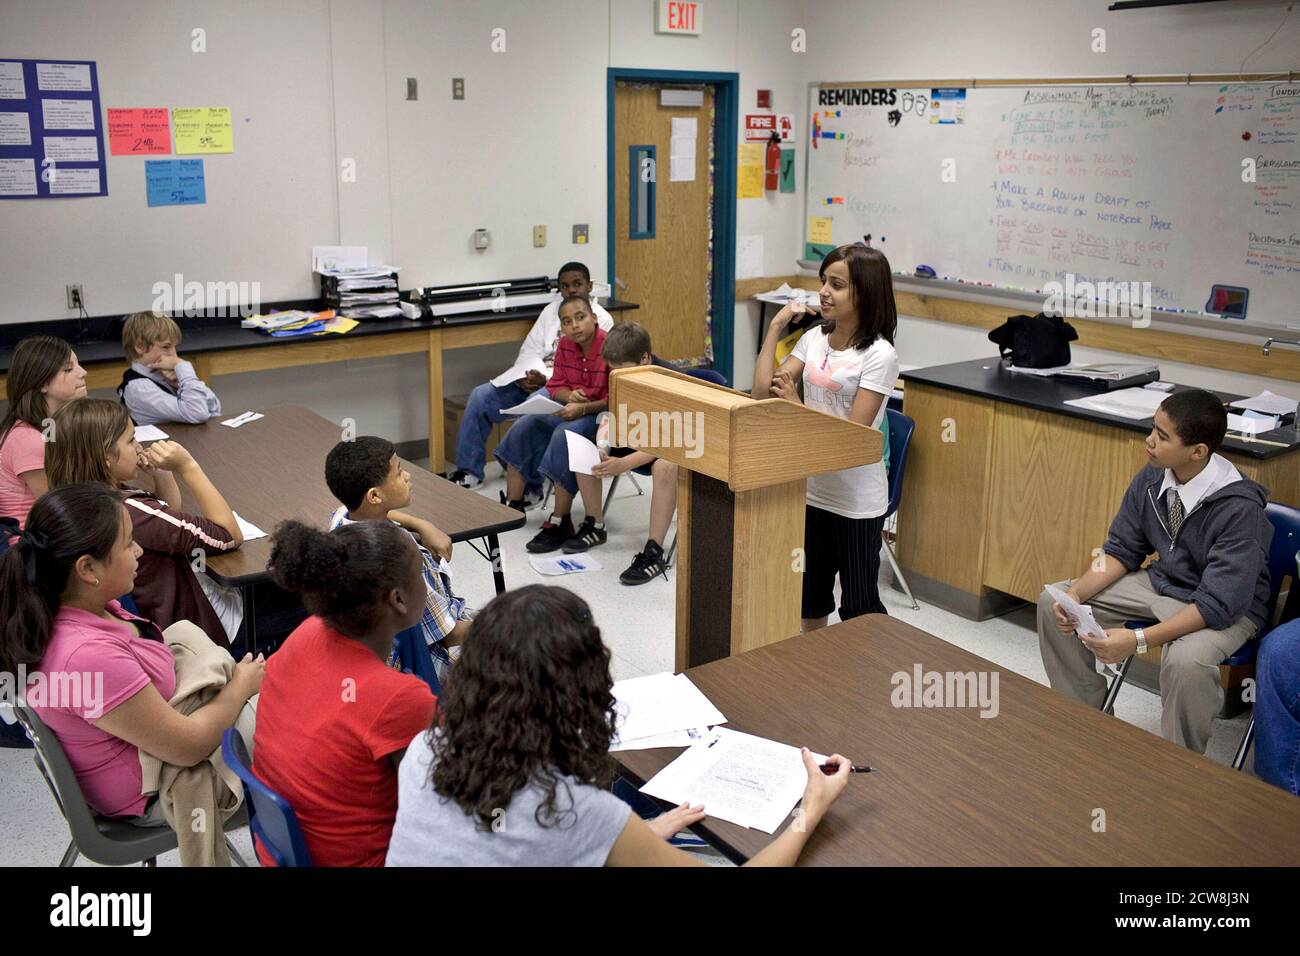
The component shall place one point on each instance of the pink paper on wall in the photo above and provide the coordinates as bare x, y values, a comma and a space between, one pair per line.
139, 132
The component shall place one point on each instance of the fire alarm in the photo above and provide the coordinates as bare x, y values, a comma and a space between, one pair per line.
764, 99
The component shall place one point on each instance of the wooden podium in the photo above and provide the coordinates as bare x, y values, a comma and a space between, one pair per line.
740, 499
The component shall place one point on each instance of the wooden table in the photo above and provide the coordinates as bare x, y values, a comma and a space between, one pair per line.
273, 469
1008, 489
951, 788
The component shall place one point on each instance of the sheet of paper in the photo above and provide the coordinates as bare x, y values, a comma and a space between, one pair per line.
139, 132
517, 371
250, 531
16, 129
68, 114
71, 149
69, 182
534, 404
175, 182
685, 127
243, 419
17, 177
583, 454
1132, 403
333, 258
749, 257
12, 84
747, 780
144, 433
1081, 614
203, 129
819, 229
681, 168
749, 171
660, 704
63, 77
1269, 403
568, 564
1250, 425
675, 738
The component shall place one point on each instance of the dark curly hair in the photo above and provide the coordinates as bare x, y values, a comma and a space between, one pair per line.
529, 701
354, 467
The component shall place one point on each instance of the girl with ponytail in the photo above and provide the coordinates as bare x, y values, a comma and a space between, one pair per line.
334, 719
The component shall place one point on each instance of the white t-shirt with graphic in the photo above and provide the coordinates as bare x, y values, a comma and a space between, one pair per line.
831, 379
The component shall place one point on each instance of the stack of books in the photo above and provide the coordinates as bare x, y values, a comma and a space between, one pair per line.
290, 323
361, 293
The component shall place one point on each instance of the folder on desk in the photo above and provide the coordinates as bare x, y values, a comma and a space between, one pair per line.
1110, 376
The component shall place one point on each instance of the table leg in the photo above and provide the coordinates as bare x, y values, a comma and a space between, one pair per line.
436, 451
494, 555
250, 619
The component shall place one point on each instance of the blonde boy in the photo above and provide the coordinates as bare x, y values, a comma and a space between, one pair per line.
160, 386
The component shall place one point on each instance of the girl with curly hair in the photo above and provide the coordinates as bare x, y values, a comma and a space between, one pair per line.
516, 770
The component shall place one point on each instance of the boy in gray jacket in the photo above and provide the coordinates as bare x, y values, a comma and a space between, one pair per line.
1208, 589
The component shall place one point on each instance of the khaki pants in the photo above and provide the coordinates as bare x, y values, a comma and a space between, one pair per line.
1190, 694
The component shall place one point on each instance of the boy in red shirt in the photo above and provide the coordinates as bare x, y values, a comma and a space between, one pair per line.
537, 445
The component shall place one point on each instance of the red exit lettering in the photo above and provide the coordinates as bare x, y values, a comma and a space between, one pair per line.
681, 15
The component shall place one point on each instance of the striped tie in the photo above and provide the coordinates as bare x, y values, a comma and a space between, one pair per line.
1175, 512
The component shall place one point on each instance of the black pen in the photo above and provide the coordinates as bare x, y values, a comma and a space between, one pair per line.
831, 771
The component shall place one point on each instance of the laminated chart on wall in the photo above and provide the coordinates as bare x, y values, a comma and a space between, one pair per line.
51, 137
203, 129
1160, 189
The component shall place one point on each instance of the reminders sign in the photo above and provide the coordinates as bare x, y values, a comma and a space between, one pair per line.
175, 182
51, 136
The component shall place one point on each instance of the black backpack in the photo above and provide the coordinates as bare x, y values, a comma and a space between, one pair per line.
1035, 341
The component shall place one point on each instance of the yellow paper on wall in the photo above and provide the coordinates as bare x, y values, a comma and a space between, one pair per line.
203, 129
749, 172
819, 229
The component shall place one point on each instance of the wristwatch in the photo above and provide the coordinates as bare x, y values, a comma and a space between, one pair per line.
1141, 640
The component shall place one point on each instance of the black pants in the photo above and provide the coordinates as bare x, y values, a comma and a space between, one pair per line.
849, 547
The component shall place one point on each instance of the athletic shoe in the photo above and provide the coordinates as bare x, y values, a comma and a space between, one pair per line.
552, 536
588, 536
646, 566
520, 506
465, 479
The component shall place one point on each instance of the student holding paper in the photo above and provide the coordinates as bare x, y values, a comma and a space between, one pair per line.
536, 355
1208, 590
516, 768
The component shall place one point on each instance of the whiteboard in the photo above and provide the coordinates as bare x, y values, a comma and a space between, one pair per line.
1036, 189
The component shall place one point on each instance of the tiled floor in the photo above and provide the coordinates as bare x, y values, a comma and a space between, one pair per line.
637, 623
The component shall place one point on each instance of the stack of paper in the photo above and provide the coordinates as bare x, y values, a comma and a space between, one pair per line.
1268, 403
661, 710
1132, 403
785, 293
749, 781
1252, 423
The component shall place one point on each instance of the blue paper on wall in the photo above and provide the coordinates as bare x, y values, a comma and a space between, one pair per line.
175, 182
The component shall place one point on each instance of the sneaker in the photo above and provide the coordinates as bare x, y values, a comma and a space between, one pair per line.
552, 536
520, 506
588, 536
532, 498
465, 479
646, 566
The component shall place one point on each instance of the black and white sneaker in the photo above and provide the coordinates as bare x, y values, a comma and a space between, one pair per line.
552, 536
646, 566
588, 536
465, 479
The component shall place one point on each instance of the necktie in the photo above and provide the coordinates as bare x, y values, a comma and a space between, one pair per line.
1175, 511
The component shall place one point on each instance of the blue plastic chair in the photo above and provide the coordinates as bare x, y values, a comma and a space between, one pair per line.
900, 437
270, 817
414, 657
1281, 566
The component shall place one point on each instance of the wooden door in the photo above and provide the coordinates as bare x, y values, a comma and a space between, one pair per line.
663, 258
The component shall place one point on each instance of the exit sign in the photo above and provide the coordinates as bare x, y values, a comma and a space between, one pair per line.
684, 17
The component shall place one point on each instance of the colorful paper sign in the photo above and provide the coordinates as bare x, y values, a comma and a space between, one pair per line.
175, 182
749, 171
204, 129
139, 132
819, 229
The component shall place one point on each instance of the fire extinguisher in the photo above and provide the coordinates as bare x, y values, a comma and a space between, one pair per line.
773, 163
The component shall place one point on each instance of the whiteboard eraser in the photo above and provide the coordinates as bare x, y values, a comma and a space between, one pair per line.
410, 310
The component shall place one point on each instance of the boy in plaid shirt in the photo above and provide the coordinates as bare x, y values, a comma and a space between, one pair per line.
366, 475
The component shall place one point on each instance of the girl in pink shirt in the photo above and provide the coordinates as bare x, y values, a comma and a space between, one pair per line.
44, 375
98, 677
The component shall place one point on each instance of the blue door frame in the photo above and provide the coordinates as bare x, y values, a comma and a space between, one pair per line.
726, 105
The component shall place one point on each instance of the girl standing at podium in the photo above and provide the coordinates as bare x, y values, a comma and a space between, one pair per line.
848, 367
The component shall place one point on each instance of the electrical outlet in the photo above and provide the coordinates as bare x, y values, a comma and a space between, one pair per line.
74, 296
580, 234
458, 88
539, 236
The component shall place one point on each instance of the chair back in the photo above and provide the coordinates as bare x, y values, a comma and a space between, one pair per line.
270, 817
900, 437
414, 657
712, 376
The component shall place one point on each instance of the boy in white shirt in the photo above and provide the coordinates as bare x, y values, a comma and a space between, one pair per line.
483, 410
